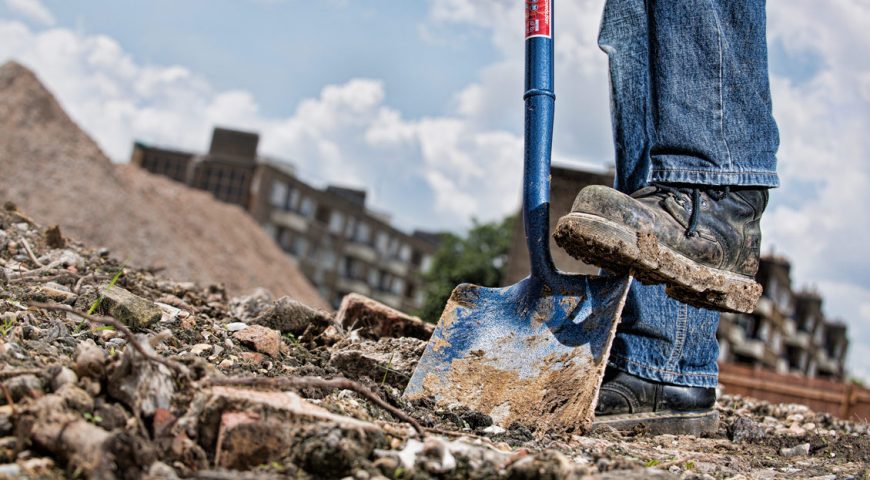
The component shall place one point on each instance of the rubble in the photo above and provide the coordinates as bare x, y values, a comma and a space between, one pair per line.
272, 397
375, 320
131, 310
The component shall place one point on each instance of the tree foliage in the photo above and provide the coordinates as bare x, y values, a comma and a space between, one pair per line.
479, 258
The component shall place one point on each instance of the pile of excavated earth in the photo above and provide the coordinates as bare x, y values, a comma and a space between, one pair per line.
114, 372
58, 175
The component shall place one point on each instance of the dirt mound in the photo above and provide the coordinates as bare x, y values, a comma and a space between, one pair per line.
55, 172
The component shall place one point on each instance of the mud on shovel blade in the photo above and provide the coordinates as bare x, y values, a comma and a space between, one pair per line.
533, 352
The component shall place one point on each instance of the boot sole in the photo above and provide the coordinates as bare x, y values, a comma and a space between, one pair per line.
614, 247
661, 423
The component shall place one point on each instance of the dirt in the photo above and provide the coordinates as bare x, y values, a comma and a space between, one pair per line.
651, 262
59, 176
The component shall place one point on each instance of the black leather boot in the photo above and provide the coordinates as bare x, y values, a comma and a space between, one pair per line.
702, 242
626, 402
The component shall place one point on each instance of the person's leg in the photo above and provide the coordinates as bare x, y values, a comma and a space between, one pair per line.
659, 338
693, 126
710, 94
690, 105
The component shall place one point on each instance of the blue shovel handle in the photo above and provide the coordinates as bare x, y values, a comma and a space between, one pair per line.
540, 102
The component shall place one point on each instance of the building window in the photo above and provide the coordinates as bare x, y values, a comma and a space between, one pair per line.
405, 253
322, 215
307, 208
299, 247
350, 228
374, 277
293, 201
382, 242
363, 233
336, 222
426, 264
398, 286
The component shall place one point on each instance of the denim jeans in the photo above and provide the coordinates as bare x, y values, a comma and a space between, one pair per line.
690, 104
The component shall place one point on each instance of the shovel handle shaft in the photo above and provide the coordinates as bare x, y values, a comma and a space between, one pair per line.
539, 109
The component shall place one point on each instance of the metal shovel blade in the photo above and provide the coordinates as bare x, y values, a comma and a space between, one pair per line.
529, 353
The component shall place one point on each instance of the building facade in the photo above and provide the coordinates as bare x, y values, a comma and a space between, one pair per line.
340, 245
788, 331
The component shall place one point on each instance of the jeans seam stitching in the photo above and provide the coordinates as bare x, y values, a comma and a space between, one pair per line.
721, 83
680, 340
662, 370
730, 172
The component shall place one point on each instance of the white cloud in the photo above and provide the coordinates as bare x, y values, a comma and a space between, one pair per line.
32, 9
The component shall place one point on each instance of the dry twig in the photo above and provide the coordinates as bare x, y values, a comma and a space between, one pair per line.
4, 374
30, 254
318, 382
131, 337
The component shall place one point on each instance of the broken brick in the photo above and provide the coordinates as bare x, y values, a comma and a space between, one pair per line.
261, 339
375, 320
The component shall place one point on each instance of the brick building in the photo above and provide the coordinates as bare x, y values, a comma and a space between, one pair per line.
787, 332
341, 246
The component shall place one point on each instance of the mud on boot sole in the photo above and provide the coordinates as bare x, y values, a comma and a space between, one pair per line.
616, 248
661, 423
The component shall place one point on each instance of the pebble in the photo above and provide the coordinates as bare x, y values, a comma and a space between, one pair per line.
494, 430
799, 450
64, 376
236, 326
200, 348
226, 364
11, 470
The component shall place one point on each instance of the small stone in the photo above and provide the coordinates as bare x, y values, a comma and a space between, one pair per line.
200, 348
261, 339
288, 315
253, 357
745, 430
10, 470
64, 376
90, 360
23, 386
494, 430
54, 238
226, 364
104, 252
76, 398
798, 450
162, 471
131, 310
236, 326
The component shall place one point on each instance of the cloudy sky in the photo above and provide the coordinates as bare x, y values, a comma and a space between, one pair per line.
420, 103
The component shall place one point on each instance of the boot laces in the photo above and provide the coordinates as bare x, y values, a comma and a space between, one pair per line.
694, 192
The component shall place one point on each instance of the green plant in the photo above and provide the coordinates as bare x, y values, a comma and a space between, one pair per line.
292, 338
690, 465
7, 325
99, 299
91, 418
388, 369
651, 463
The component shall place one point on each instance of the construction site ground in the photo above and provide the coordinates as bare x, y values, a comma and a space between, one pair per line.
169, 379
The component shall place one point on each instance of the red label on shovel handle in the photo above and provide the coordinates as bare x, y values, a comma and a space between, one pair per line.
538, 18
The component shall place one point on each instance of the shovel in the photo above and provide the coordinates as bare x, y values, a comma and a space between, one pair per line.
532, 353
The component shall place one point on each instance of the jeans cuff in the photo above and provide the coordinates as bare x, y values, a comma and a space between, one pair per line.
715, 177
688, 379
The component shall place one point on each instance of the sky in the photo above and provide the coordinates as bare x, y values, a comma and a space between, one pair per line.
420, 103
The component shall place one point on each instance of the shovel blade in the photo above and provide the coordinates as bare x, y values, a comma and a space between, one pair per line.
528, 353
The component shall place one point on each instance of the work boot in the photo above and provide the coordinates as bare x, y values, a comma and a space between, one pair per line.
702, 242
627, 402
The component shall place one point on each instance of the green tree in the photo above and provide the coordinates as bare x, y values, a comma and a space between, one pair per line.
477, 258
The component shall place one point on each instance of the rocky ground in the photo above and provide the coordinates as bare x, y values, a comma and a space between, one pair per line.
173, 380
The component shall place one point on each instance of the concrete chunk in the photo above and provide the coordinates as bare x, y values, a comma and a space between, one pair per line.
131, 310
375, 320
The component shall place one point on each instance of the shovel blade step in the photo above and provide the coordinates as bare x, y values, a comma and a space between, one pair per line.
528, 353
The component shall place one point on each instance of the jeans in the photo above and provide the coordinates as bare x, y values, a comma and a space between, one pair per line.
690, 104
